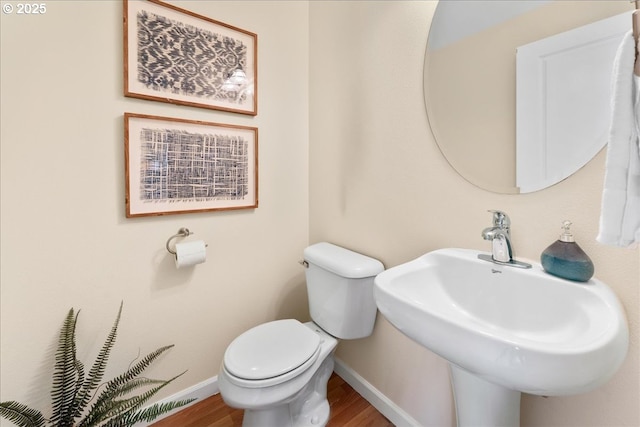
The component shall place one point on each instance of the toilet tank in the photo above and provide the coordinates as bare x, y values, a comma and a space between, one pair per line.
340, 290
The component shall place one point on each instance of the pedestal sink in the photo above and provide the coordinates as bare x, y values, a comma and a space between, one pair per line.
505, 330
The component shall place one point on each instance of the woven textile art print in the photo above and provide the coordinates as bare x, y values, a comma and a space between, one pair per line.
179, 165
181, 59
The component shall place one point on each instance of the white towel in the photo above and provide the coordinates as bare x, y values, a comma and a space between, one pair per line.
620, 215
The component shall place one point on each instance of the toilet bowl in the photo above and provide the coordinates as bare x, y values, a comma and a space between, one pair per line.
278, 371
290, 392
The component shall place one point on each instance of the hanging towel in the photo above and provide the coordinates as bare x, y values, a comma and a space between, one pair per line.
620, 215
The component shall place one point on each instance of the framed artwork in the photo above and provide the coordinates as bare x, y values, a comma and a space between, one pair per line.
175, 166
176, 56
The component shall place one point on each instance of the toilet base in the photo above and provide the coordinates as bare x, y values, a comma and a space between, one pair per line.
310, 408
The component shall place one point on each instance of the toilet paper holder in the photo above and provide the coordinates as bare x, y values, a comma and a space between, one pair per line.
182, 232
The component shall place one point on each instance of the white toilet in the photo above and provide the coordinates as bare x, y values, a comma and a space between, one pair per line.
278, 371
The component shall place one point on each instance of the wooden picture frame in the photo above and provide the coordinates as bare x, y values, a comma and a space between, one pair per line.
175, 166
177, 56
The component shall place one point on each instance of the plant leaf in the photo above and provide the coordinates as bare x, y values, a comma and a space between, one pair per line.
71, 391
134, 384
21, 415
148, 414
97, 370
137, 369
65, 374
132, 413
104, 402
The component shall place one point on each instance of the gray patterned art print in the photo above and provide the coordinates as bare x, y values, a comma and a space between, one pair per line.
183, 166
177, 58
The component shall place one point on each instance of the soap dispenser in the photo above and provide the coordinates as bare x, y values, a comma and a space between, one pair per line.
564, 258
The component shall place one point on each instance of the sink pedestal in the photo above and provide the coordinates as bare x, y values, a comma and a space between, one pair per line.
482, 403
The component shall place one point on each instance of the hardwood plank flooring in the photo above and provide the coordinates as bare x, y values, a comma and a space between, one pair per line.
348, 409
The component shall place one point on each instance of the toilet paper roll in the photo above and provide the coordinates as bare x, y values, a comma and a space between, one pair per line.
190, 253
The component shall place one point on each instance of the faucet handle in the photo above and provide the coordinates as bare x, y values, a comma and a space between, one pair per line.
500, 219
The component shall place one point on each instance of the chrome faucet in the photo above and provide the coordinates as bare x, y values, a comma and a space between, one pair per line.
500, 236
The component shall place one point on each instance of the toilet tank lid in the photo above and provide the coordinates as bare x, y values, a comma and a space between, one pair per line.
341, 261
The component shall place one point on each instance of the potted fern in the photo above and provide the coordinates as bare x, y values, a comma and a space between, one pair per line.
84, 401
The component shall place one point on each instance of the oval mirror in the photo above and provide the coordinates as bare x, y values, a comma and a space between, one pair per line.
517, 92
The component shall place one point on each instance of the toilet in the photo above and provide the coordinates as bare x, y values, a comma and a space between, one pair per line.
278, 371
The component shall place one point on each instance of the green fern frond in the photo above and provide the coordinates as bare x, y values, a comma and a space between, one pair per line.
135, 384
79, 382
110, 406
65, 375
147, 414
97, 370
72, 391
136, 369
21, 415
113, 387
133, 405
136, 402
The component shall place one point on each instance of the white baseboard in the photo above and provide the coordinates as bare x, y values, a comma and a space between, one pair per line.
382, 403
202, 390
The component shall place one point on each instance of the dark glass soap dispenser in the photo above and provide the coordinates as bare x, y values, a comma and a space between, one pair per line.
564, 258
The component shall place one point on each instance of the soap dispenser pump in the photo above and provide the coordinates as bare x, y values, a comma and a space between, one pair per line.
565, 259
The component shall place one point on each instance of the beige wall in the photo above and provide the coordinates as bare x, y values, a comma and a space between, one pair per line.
65, 239
379, 184
345, 76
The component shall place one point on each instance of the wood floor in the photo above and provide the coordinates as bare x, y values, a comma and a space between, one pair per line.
348, 409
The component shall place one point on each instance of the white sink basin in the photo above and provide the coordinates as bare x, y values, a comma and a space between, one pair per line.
521, 329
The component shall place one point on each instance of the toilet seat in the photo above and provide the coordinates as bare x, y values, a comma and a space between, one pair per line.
271, 353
